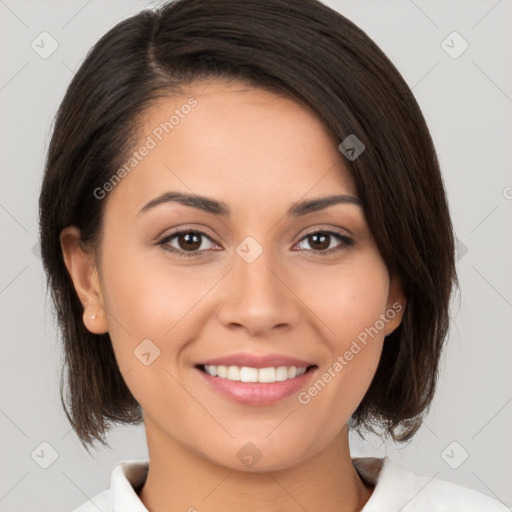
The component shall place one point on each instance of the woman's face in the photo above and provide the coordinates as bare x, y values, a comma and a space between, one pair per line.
252, 286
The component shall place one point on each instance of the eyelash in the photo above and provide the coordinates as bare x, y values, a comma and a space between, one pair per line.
346, 242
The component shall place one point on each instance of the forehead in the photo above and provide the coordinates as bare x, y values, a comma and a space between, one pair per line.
243, 145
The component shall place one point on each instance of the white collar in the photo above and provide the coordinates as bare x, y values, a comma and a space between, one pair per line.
127, 480
395, 488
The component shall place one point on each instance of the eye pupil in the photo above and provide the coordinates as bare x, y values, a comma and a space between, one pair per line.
321, 241
192, 239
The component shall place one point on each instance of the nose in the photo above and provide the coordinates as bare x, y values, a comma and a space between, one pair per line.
258, 297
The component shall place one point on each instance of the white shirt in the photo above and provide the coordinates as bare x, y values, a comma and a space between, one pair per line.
396, 490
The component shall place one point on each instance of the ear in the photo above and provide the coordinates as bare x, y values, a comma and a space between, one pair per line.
82, 268
396, 304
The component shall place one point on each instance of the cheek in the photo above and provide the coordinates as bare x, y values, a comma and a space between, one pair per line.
349, 298
149, 298
351, 303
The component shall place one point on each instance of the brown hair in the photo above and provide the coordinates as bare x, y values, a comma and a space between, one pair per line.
301, 49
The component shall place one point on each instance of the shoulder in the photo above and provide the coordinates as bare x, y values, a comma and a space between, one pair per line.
397, 488
126, 480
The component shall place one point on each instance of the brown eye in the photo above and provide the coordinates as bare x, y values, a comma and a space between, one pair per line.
188, 241
321, 242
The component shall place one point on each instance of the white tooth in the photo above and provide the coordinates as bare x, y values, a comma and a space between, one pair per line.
248, 374
281, 373
233, 373
267, 375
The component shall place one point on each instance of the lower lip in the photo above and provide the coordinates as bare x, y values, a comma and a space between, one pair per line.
257, 393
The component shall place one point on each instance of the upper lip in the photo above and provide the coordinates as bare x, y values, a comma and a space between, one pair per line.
256, 361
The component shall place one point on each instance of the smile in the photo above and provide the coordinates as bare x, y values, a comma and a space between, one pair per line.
252, 386
249, 374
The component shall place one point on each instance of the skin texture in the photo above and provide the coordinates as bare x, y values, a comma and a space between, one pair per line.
259, 153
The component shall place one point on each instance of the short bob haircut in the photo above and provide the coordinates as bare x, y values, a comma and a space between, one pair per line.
301, 49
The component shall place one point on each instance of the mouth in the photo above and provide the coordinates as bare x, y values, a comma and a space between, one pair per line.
255, 386
251, 374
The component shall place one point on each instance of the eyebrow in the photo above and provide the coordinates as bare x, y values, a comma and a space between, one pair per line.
222, 209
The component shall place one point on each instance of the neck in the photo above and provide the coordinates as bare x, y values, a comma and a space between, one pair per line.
180, 480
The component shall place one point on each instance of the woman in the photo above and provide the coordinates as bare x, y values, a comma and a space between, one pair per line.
247, 238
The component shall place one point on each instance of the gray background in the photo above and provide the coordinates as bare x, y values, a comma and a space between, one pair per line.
467, 103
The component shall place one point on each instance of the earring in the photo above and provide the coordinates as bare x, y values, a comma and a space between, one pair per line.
93, 317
